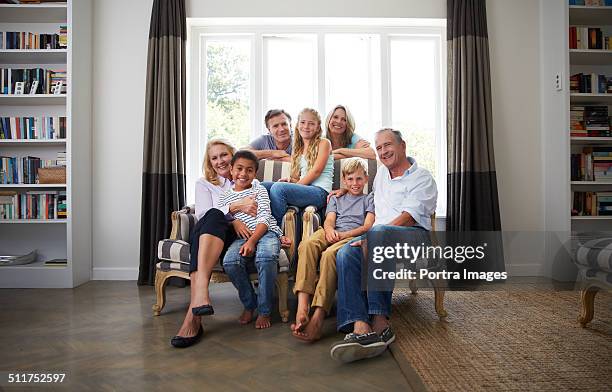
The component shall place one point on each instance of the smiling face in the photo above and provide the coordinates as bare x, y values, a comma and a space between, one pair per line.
390, 152
355, 182
308, 126
280, 128
220, 157
243, 172
337, 122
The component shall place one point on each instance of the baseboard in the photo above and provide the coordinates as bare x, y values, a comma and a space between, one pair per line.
115, 274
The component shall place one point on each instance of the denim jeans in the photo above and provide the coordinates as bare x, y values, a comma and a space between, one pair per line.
353, 303
267, 185
283, 194
266, 263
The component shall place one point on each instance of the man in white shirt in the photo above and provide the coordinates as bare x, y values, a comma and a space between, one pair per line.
405, 197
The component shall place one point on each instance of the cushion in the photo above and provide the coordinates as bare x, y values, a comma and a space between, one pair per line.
186, 222
170, 266
596, 254
173, 250
273, 170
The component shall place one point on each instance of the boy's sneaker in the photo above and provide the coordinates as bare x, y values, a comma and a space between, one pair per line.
387, 336
355, 347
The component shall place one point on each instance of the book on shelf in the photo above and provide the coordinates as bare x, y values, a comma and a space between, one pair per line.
43, 205
36, 128
591, 204
584, 37
25, 40
593, 164
45, 77
590, 83
24, 170
590, 121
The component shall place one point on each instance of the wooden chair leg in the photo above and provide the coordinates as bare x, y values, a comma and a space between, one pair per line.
439, 302
587, 299
413, 286
161, 278
282, 285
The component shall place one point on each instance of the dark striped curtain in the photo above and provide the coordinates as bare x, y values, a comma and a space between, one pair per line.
472, 184
163, 176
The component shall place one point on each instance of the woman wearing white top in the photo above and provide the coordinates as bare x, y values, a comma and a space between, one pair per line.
211, 236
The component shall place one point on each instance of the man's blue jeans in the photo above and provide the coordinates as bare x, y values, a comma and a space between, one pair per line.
353, 303
266, 263
283, 194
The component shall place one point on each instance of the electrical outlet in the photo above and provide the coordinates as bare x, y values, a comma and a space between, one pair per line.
559, 82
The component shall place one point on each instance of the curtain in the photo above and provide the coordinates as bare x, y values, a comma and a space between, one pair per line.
472, 183
163, 173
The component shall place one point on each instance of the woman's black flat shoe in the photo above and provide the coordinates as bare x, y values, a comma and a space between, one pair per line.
183, 342
204, 310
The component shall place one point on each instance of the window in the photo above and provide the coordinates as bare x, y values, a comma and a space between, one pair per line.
388, 72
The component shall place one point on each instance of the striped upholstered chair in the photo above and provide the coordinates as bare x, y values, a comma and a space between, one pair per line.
173, 253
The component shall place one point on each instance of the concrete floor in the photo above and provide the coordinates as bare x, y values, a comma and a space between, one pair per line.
103, 335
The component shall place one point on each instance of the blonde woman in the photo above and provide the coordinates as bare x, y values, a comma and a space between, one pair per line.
340, 130
312, 168
211, 236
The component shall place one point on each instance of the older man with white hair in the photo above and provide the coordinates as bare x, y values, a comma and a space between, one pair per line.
405, 197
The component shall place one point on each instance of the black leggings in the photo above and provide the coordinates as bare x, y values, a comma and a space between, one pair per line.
213, 223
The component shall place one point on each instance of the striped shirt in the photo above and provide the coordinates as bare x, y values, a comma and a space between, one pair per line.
264, 213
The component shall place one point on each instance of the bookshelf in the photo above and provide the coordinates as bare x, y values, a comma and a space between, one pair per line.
68, 238
588, 62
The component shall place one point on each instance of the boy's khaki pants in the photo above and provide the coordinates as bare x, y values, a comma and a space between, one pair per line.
309, 252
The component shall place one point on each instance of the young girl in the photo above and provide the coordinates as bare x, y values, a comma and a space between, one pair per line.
312, 168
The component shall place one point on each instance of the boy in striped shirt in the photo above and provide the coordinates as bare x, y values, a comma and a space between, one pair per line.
259, 238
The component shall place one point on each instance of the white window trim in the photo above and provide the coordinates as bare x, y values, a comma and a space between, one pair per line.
257, 28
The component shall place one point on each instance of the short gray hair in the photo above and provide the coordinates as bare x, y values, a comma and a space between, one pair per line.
397, 134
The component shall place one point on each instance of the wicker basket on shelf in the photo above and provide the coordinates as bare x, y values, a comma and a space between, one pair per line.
52, 175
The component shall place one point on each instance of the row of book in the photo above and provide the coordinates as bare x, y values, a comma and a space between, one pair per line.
589, 121
33, 205
24, 170
38, 128
591, 83
591, 203
589, 38
591, 3
45, 78
593, 164
29, 40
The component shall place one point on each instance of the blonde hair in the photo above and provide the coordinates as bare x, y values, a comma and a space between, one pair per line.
298, 145
351, 165
350, 125
207, 168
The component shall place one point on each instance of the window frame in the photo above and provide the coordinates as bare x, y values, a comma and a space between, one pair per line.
255, 29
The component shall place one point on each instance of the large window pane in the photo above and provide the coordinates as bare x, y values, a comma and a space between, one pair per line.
415, 95
290, 68
352, 78
228, 90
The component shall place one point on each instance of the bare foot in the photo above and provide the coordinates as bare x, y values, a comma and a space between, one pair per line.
312, 331
263, 322
301, 320
361, 327
379, 323
191, 325
246, 317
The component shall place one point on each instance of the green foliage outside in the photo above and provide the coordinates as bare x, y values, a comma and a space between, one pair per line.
227, 109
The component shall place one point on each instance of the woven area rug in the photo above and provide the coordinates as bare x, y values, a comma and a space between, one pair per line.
505, 340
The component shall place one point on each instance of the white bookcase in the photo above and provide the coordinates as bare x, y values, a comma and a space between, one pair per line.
69, 238
589, 61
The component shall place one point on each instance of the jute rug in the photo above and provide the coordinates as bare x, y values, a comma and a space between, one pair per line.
505, 340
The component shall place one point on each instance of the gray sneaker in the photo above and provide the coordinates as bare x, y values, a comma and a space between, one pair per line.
355, 347
387, 336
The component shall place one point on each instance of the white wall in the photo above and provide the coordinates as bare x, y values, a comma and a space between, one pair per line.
121, 32
120, 50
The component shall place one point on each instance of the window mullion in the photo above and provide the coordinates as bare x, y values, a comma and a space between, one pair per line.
385, 78
256, 87
321, 72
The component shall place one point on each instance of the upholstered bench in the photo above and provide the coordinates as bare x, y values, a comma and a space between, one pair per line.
594, 261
